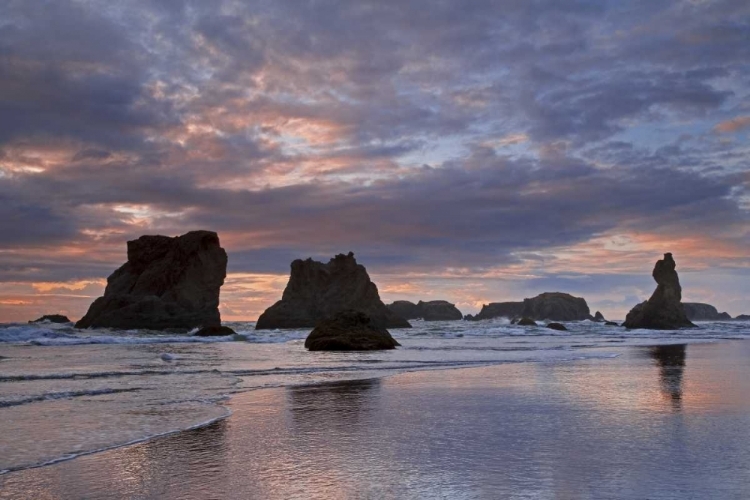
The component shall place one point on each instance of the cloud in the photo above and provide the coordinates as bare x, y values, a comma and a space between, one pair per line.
449, 141
733, 125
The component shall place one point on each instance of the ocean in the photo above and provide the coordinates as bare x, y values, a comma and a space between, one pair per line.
67, 396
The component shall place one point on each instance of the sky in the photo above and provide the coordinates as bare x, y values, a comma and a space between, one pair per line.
469, 151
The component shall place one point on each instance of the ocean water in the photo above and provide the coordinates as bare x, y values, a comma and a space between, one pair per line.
66, 393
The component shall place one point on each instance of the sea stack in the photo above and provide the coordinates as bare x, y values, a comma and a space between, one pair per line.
167, 283
349, 331
664, 310
317, 291
434, 310
554, 306
696, 311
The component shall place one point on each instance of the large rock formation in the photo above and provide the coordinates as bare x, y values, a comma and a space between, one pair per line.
663, 311
695, 311
743, 317
552, 306
435, 310
317, 291
349, 331
167, 283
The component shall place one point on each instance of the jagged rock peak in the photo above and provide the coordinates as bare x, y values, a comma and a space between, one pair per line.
664, 310
317, 291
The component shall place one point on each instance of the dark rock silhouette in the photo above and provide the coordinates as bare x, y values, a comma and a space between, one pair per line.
215, 331
743, 317
610, 323
434, 310
557, 326
167, 283
52, 318
316, 291
526, 322
663, 311
349, 331
499, 310
696, 311
599, 316
551, 305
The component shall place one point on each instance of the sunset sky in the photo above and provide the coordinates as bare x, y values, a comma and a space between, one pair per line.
472, 151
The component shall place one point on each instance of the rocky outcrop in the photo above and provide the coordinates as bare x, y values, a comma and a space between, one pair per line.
349, 331
552, 306
215, 331
663, 311
557, 326
434, 310
556, 306
526, 322
696, 311
599, 316
167, 283
498, 310
52, 318
317, 291
610, 323
743, 317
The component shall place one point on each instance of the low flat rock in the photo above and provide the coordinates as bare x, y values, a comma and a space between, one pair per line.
215, 331
52, 318
349, 331
434, 310
697, 311
554, 306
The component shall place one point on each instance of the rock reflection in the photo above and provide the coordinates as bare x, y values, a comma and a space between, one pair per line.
340, 403
671, 362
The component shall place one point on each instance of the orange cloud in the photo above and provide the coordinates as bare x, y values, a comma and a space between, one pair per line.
733, 125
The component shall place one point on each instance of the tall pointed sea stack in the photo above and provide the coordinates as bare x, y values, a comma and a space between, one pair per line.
663, 311
317, 291
166, 283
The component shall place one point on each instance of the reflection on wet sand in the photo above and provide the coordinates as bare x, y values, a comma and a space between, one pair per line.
341, 403
590, 429
174, 466
671, 362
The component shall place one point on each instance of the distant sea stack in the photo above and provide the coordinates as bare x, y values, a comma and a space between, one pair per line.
317, 291
553, 306
52, 318
664, 310
167, 283
434, 310
696, 311
349, 331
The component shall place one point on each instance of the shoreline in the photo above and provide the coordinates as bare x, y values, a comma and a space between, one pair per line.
454, 430
227, 399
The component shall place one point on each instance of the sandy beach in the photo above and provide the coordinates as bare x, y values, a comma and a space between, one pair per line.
662, 422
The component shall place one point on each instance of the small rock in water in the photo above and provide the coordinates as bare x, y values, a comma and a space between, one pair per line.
557, 326
52, 318
611, 323
215, 331
526, 322
168, 357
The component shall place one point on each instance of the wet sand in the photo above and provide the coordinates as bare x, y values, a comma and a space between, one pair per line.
655, 423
